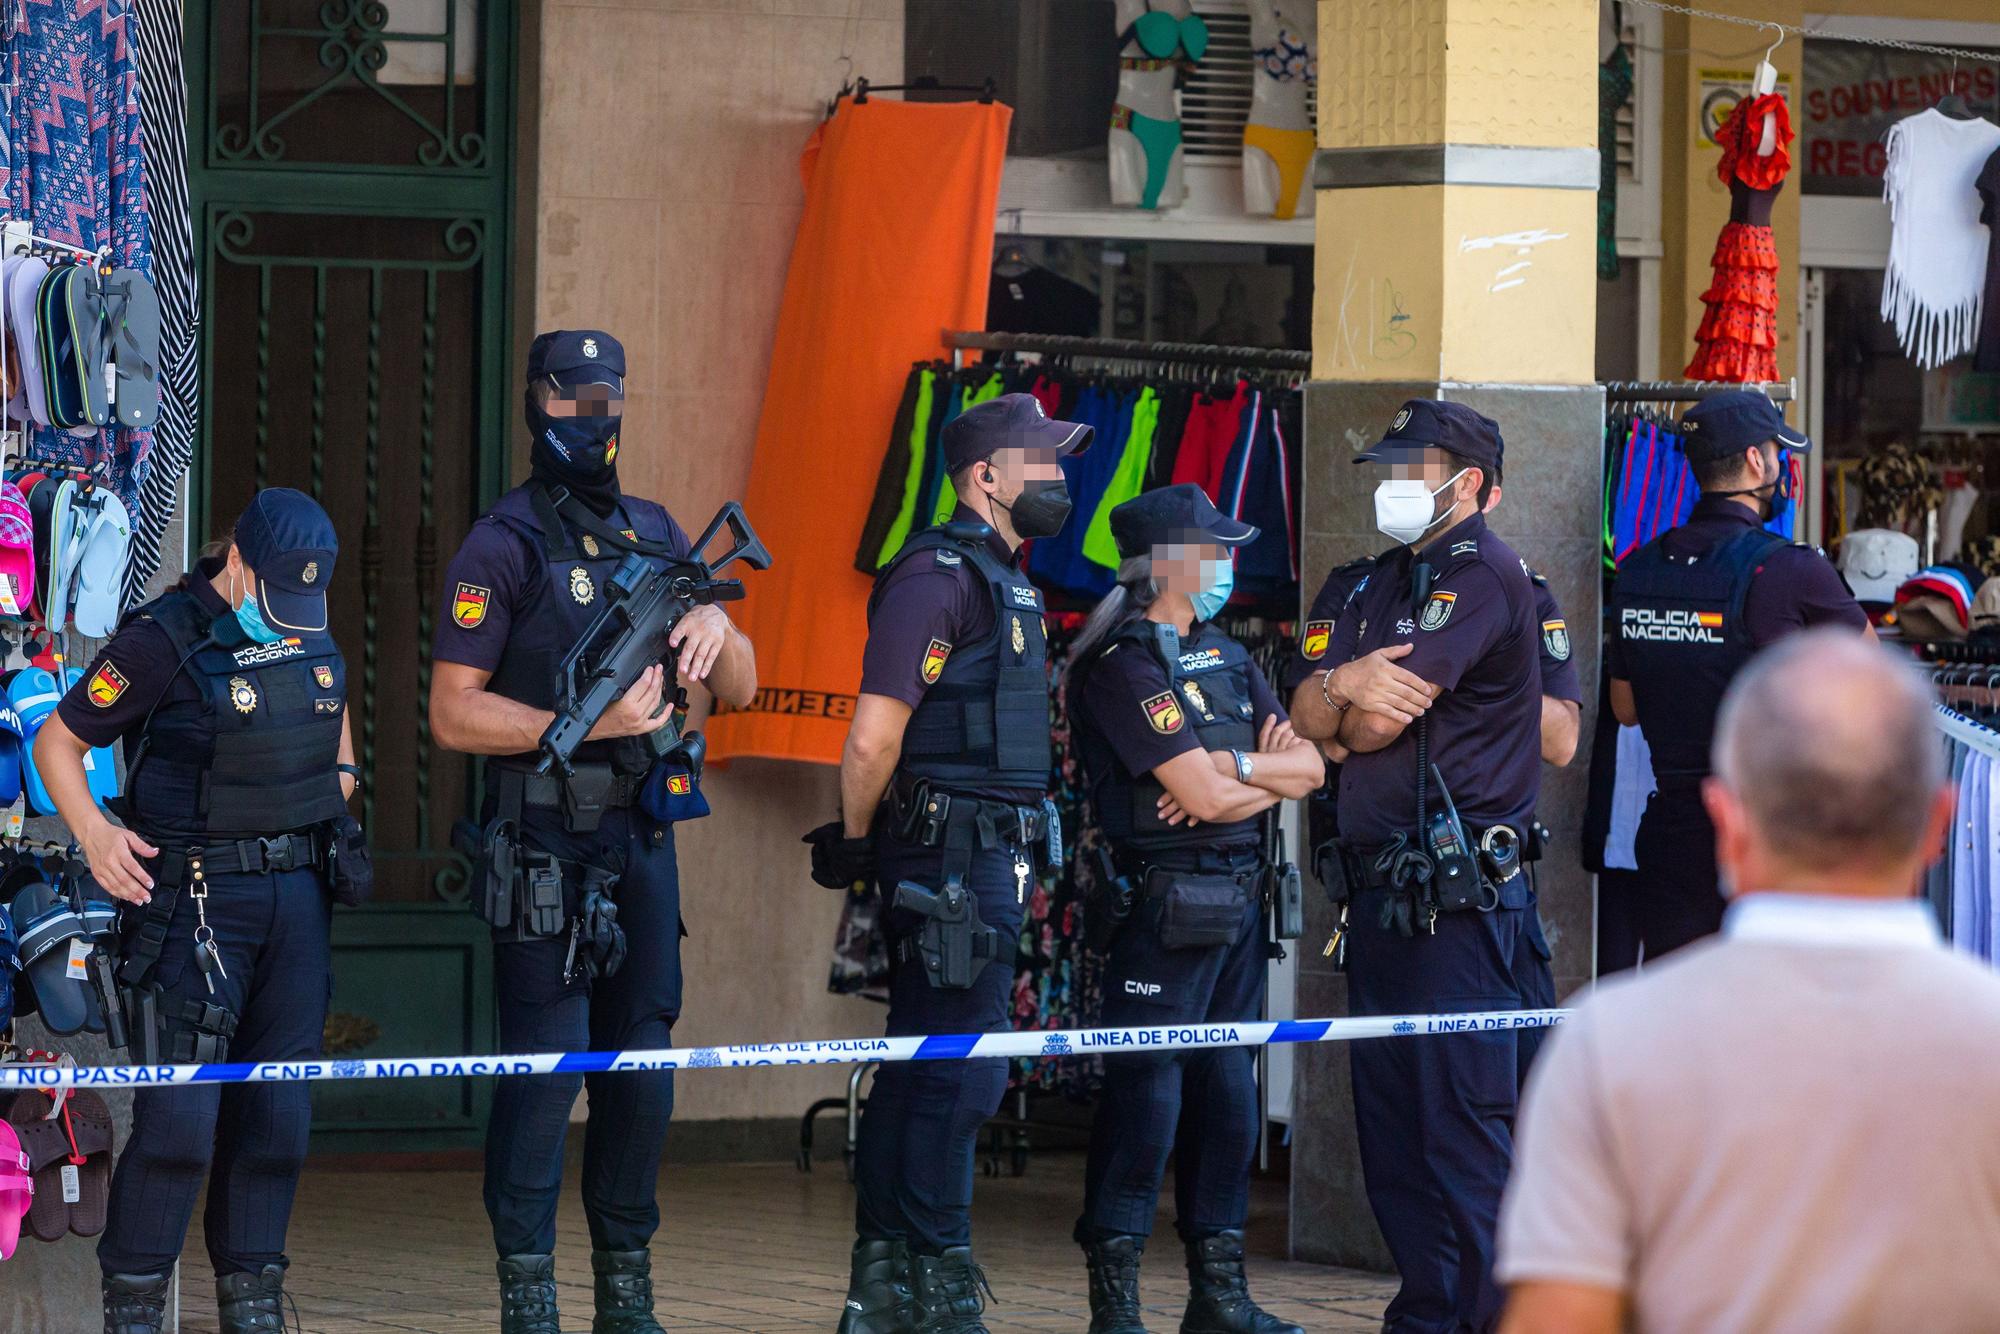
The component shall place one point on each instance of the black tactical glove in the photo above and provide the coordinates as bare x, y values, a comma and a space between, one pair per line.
839, 861
596, 940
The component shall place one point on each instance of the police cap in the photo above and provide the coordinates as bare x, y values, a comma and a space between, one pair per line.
286, 538
1730, 423
573, 357
1429, 423
1011, 421
1170, 514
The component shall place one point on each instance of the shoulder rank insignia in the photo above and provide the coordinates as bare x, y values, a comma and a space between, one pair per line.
1555, 638
1438, 610
949, 558
1163, 713
934, 657
242, 694
468, 606
1318, 635
107, 683
1469, 547
580, 586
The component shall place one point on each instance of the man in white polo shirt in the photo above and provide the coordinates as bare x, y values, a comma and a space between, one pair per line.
1794, 1126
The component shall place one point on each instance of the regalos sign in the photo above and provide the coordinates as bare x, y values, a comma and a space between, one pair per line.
1855, 93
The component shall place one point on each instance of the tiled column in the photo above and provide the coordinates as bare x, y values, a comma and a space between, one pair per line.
1456, 253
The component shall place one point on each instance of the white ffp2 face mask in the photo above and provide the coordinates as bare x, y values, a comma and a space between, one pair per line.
1407, 509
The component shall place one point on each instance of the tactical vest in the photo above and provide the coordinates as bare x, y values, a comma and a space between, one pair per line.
1681, 630
553, 612
1209, 686
252, 755
984, 722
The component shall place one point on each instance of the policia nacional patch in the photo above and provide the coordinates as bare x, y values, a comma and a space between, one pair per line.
1163, 711
1437, 611
934, 657
1555, 638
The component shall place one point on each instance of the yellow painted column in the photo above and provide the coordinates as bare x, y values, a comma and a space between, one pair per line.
1457, 205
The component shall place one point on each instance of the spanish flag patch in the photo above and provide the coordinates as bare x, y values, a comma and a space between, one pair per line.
107, 683
1163, 711
679, 784
1317, 636
468, 606
934, 657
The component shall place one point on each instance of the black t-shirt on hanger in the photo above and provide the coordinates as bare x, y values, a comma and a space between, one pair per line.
1038, 301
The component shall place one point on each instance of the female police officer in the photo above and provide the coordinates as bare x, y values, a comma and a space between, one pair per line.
230, 697
1184, 744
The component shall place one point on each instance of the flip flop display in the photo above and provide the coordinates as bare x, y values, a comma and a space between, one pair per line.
17, 1190
70, 1157
132, 317
99, 568
17, 551
54, 940
69, 312
24, 275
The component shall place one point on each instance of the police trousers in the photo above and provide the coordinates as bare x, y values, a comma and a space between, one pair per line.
248, 1140
1677, 894
1434, 1113
1534, 978
539, 1011
913, 1161
1198, 1106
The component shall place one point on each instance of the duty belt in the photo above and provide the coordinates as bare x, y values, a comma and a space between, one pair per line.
930, 816
178, 862
582, 797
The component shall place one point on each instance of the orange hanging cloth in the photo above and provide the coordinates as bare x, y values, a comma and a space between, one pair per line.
894, 247
1738, 337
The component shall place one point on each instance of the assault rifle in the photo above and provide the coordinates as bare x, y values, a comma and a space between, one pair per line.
644, 600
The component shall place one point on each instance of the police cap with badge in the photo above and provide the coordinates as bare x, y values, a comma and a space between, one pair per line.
1430, 423
1172, 514
1732, 422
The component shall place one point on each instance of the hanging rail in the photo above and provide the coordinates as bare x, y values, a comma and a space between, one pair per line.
1196, 354
1687, 391
1967, 732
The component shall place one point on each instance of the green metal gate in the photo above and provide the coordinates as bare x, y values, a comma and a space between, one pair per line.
351, 172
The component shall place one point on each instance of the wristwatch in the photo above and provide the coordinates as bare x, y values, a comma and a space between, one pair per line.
351, 770
1245, 766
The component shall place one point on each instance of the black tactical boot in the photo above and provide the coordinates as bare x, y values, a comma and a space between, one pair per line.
135, 1303
624, 1293
879, 1300
528, 1295
252, 1303
949, 1289
1114, 1285
1220, 1301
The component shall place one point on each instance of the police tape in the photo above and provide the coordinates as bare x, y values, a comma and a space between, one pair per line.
1033, 1044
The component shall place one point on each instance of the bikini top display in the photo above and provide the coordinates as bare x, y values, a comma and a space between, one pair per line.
1166, 38
1289, 57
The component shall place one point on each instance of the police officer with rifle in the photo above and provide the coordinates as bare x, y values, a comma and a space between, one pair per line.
1187, 752
1432, 686
231, 699
574, 864
944, 804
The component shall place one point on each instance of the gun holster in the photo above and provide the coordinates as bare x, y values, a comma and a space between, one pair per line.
163, 1030
515, 889
953, 943
586, 794
1287, 902
350, 866
1108, 904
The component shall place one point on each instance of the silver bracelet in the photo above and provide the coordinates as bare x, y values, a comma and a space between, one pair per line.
1327, 695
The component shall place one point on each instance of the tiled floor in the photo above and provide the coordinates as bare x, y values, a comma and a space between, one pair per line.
750, 1247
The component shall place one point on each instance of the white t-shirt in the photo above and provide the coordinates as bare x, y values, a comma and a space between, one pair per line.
1937, 245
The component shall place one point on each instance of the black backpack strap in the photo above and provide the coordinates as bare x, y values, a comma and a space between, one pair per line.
558, 512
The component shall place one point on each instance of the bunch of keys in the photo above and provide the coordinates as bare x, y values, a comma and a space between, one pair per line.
206, 956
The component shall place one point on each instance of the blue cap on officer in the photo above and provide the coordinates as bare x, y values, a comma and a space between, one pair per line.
1732, 422
1011, 421
1429, 423
573, 357
1170, 514
286, 538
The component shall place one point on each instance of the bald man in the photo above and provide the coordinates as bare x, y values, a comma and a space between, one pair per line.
1788, 1126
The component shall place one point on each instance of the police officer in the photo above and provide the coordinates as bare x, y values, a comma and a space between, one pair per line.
943, 784
230, 698
1436, 694
520, 592
1690, 608
1185, 746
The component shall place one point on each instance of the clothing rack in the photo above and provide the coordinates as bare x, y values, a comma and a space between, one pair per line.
1977, 736
1688, 391
1126, 349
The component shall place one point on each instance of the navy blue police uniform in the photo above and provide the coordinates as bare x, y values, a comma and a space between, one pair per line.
528, 580
1141, 698
1434, 1115
1689, 610
956, 632
232, 748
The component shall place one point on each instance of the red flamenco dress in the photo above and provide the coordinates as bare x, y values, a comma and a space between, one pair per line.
1738, 338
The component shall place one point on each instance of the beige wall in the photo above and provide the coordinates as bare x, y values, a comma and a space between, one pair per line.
668, 194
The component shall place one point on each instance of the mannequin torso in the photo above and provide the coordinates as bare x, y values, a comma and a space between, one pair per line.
1144, 147
1278, 141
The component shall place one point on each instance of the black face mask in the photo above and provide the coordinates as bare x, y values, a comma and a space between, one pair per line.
577, 453
1040, 510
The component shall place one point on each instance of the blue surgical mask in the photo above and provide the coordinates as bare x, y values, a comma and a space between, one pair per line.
1781, 495
251, 617
1218, 581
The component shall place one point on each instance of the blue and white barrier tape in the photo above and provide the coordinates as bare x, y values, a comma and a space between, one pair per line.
832, 1051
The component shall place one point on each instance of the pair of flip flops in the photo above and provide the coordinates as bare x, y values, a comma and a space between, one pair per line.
80, 540
66, 325
53, 946
69, 1156
32, 694
17, 1190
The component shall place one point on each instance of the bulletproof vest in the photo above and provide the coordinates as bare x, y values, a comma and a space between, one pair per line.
1680, 626
1209, 686
252, 754
984, 721
554, 611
